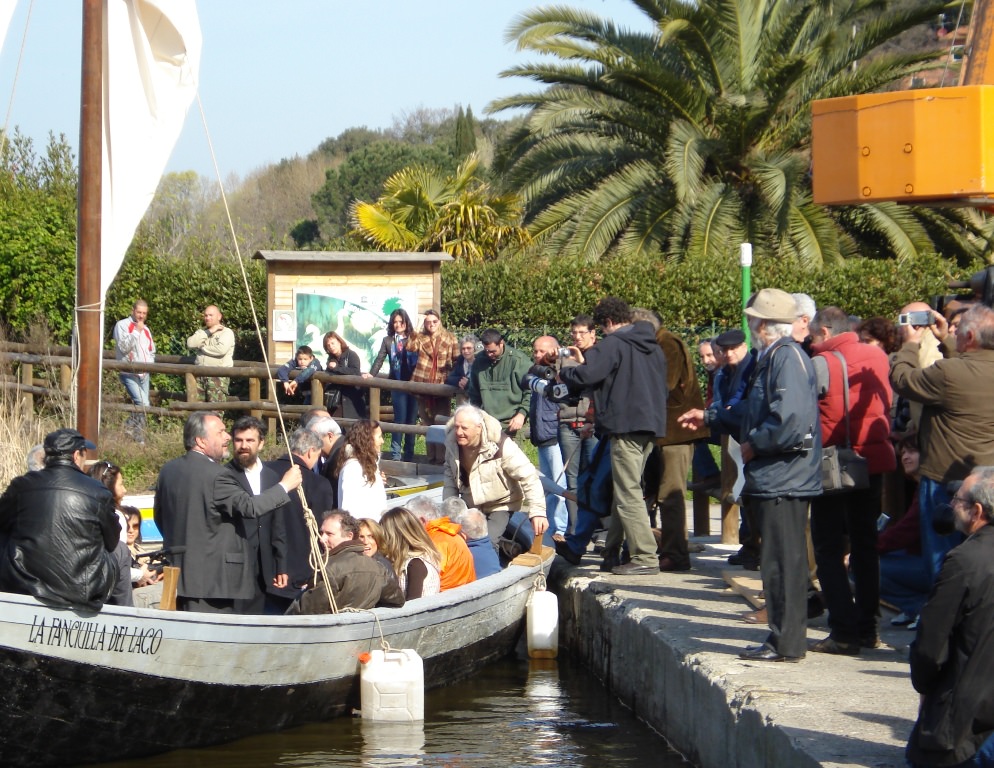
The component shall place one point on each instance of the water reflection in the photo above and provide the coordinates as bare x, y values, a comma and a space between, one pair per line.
513, 713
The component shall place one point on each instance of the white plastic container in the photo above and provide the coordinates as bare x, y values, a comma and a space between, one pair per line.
392, 686
542, 618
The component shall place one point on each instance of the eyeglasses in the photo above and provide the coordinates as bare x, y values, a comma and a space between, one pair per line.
960, 500
580, 332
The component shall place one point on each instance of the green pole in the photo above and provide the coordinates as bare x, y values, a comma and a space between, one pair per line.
745, 262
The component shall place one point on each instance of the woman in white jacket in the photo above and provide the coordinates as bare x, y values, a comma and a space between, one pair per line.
361, 491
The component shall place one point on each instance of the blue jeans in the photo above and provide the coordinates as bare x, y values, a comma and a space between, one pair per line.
550, 464
577, 453
405, 411
703, 462
904, 581
137, 387
932, 493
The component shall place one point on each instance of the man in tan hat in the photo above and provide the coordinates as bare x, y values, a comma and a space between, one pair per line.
781, 451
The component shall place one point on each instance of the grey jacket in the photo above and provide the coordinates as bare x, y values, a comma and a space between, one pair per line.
781, 416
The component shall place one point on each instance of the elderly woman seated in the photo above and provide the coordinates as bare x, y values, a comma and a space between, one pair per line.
486, 469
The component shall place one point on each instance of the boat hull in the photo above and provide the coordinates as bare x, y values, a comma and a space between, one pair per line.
82, 687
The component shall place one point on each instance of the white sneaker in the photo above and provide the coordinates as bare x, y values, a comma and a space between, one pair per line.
913, 626
901, 620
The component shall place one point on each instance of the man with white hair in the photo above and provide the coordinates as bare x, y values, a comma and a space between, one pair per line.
781, 450
457, 566
332, 441
474, 530
805, 313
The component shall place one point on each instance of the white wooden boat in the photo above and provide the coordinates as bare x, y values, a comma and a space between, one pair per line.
83, 687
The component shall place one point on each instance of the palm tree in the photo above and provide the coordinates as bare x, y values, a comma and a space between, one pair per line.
421, 209
693, 136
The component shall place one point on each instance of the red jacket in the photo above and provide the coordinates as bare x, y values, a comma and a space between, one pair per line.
869, 400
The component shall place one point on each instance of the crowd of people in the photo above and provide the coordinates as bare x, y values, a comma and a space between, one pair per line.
619, 421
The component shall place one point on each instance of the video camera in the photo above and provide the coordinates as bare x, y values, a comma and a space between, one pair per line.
538, 380
160, 558
980, 287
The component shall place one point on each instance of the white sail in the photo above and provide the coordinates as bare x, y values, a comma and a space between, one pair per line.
151, 63
6, 13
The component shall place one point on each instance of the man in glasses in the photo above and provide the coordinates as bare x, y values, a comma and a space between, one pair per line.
952, 657
576, 422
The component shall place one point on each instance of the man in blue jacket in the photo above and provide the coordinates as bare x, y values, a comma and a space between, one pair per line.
626, 372
781, 451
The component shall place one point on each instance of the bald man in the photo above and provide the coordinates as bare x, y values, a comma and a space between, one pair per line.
214, 345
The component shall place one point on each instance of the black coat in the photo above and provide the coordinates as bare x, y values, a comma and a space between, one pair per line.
59, 529
626, 371
320, 499
952, 657
266, 535
197, 504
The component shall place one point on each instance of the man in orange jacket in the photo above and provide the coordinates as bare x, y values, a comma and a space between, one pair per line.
457, 561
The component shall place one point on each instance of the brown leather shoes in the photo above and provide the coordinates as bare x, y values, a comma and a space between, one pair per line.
755, 617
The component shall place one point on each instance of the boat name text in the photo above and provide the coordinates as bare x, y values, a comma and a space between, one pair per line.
94, 636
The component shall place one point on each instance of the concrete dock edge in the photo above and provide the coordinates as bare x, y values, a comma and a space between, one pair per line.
667, 645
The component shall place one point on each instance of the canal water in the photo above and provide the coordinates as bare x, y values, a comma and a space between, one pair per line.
513, 713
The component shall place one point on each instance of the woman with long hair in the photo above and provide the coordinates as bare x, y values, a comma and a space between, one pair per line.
140, 574
416, 561
438, 352
343, 361
361, 491
400, 347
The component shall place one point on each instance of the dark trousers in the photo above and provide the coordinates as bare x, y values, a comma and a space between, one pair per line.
205, 605
851, 615
784, 567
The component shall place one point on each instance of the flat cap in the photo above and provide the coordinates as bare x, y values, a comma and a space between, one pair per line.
774, 305
66, 441
732, 338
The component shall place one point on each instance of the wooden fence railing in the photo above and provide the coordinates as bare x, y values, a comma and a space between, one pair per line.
55, 363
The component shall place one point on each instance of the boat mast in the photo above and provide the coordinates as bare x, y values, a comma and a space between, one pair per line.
88, 299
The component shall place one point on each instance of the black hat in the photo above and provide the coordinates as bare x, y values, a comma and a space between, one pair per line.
62, 442
730, 338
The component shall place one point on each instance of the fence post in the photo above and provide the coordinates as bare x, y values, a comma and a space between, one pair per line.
65, 379
27, 380
255, 393
374, 403
191, 387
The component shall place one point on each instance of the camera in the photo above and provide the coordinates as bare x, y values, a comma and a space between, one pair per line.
559, 393
538, 378
565, 352
922, 318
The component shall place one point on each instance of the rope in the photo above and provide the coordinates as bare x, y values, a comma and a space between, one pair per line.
317, 559
17, 74
949, 56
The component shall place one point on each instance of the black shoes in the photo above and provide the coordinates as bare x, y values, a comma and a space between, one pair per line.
567, 554
669, 564
836, 647
767, 653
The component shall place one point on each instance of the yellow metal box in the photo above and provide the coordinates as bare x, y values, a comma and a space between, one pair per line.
933, 146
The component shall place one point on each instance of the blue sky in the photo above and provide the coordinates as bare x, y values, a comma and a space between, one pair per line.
279, 77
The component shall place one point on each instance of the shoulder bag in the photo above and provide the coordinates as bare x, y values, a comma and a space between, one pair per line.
842, 469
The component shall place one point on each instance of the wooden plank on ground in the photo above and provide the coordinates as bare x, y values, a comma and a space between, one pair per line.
746, 583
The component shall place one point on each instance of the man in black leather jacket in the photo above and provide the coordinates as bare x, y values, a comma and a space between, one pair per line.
58, 530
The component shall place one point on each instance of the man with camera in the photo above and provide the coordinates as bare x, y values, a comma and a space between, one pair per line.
952, 656
543, 415
626, 372
956, 431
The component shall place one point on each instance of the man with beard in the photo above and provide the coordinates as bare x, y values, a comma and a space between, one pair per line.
264, 536
198, 505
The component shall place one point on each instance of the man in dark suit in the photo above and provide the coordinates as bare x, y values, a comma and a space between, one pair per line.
305, 448
265, 536
332, 441
197, 505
